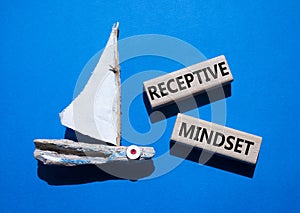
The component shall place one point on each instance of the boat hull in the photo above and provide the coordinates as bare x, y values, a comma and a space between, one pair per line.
69, 153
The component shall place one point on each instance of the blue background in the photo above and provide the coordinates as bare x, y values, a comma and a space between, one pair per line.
44, 46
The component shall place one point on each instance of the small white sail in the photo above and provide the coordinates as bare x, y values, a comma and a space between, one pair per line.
95, 112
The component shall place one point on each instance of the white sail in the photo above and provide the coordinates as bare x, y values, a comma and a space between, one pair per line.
95, 112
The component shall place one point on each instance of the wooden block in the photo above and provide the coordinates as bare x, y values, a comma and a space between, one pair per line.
187, 82
215, 138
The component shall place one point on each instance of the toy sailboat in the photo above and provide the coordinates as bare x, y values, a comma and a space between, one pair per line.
95, 113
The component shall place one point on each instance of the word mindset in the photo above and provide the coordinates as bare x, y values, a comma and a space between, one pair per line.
216, 138
189, 81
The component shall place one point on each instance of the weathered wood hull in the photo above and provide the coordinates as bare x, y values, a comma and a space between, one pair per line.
69, 153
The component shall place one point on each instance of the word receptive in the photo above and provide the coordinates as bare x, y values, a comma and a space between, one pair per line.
221, 140
190, 81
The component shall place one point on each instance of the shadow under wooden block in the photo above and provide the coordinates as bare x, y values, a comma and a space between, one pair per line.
72, 175
211, 159
189, 103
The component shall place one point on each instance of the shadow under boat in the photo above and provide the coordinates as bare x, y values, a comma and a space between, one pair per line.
72, 175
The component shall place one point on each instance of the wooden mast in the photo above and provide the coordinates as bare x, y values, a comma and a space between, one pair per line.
117, 69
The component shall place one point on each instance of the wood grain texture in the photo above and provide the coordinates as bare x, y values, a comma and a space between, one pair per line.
217, 139
187, 82
70, 153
